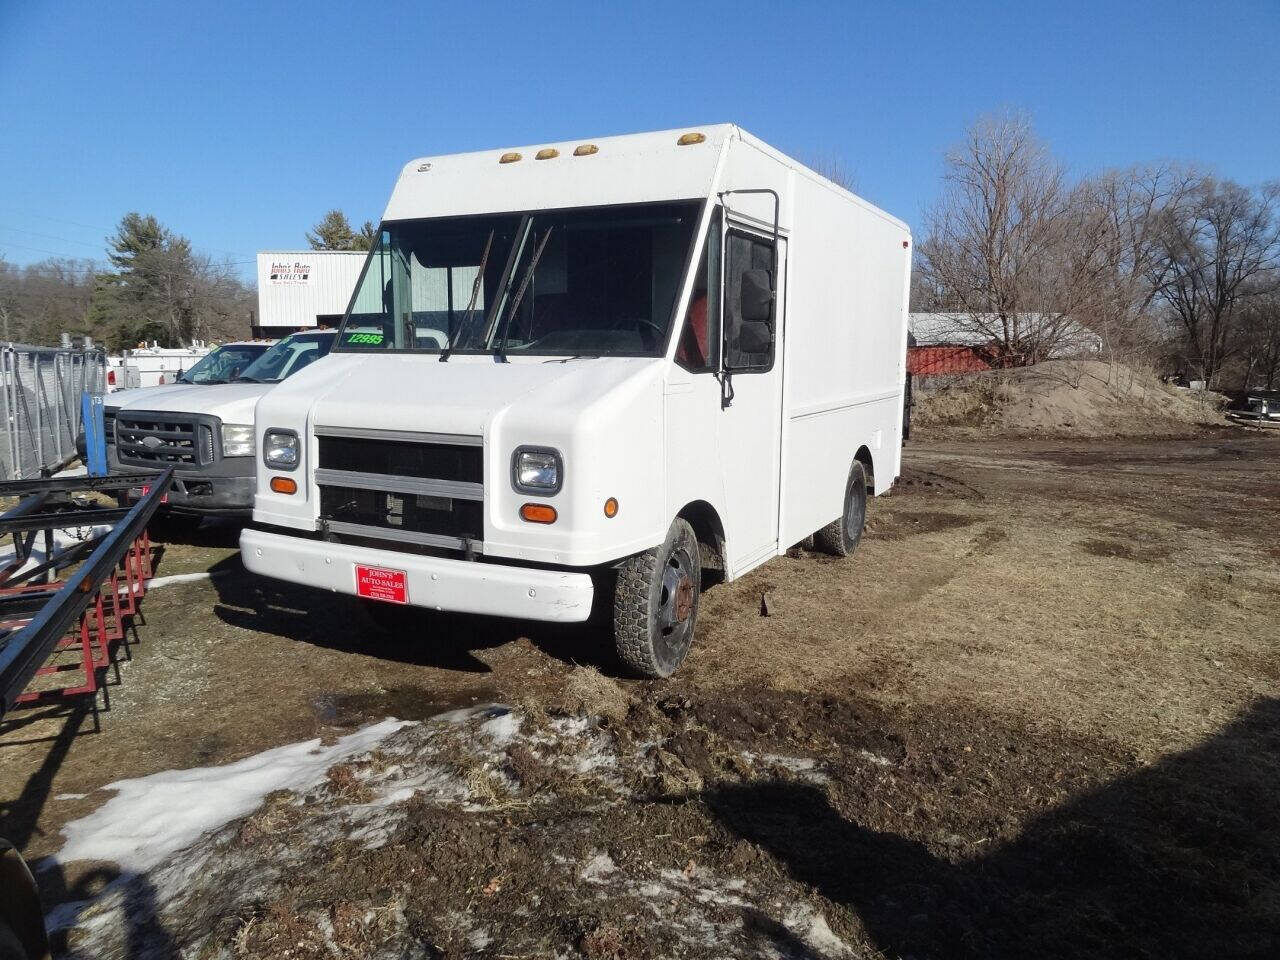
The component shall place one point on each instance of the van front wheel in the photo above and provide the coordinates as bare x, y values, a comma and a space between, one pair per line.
655, 603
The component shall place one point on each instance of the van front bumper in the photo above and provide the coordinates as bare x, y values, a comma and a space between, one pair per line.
438, 583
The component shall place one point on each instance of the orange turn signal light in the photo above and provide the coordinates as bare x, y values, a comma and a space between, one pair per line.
689, 139
547, 153
511, 157
538, 513
611, 507
284, 485
585, 149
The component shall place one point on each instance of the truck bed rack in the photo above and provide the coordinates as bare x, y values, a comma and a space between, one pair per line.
51, 626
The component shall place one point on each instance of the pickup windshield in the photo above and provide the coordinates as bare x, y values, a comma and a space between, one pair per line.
598, 281
288, 357
223, 364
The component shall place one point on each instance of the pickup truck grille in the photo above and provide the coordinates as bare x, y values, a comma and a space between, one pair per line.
414, 488
146, 439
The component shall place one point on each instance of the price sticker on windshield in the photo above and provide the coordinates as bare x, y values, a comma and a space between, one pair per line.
364, 338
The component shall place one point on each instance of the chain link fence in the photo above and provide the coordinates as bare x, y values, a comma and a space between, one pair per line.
40, 390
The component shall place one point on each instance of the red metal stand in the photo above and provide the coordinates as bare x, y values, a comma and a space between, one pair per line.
100, 629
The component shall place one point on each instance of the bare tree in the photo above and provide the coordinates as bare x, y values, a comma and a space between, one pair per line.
835, 168
1259, 324
1118, 242
1213, 249
40, 301
996, 239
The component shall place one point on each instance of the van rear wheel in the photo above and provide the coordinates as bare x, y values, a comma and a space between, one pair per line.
840, 537
655, 603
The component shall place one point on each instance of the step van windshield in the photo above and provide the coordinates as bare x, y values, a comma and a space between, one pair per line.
600, 281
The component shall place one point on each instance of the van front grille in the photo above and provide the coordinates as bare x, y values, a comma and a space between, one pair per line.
422, 489
402, 458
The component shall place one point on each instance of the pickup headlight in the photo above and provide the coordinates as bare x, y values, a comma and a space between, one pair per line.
537, 470
280, 449
237, 439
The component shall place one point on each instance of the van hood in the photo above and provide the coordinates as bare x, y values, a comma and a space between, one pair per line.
461, 396
230, 402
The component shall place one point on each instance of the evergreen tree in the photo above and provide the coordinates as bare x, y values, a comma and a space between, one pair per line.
333, 232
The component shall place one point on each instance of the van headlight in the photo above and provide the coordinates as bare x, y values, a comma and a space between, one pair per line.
537, 470
280, 449
237, 439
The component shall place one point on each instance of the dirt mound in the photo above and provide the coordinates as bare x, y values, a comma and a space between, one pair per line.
752, 824
588, 692
1076, 398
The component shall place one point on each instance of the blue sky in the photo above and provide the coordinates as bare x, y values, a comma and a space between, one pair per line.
239, 124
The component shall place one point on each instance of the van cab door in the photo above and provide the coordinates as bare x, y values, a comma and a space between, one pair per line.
750, 417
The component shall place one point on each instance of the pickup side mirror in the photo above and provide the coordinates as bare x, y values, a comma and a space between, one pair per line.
757, 296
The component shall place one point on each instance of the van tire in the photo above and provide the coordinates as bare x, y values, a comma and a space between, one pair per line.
655, 603
840, 537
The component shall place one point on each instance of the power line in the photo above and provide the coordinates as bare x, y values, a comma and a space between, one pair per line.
50, 236
89, 226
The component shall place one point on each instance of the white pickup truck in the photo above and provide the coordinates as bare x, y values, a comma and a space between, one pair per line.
203, 424
593, 372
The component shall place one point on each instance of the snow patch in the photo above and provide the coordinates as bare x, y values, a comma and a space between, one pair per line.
811, 927
153, 817
805, 768
502, 728
176, 578
598, 868
877, 759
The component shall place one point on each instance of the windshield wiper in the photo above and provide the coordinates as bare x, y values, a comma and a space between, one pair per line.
243, 379
499, 349
471, 304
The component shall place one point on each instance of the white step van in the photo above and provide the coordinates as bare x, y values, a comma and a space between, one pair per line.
593, 372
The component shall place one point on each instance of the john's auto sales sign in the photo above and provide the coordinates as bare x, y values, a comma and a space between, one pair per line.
296, 272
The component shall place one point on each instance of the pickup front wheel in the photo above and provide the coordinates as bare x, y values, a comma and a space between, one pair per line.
655, 603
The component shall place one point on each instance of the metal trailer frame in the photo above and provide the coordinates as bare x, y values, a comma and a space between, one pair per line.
41, 616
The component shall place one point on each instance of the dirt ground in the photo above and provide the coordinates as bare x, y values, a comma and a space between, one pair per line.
1034, 715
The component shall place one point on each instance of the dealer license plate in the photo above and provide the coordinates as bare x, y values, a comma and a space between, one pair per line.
380, 583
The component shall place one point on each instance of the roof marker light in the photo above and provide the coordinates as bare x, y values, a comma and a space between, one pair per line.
547, 153
691, 138
585, 150
511, 157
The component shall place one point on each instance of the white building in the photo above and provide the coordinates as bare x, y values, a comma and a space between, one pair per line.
301, 289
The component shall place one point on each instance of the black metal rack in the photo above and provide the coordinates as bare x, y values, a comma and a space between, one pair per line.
40, 614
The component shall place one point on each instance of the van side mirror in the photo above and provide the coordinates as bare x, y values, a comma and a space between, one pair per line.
757, 297
754, 336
